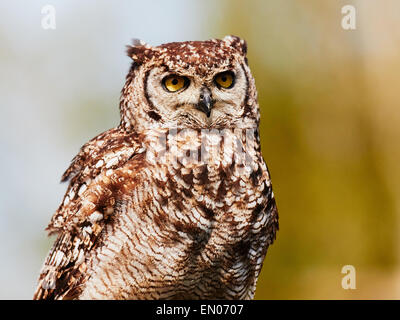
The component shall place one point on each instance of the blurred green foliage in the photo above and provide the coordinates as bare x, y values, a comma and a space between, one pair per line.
319, 141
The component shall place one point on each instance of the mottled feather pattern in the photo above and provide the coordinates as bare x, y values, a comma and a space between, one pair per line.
171, 204
96, 157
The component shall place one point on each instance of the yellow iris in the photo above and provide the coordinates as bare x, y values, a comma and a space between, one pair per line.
174, 83
225, 79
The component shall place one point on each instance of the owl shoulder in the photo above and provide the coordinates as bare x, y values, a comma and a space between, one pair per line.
90, 169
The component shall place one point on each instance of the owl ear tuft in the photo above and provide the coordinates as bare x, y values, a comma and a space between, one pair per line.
237, 43
139, 51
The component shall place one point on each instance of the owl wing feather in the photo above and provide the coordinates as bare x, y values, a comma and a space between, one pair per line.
86, 209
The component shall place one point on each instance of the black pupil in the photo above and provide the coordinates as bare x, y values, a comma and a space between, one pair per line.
175, 81
223, 79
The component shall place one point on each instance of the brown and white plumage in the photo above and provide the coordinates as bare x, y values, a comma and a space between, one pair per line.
176, 202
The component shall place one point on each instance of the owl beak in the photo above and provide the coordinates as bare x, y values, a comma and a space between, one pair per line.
205, 103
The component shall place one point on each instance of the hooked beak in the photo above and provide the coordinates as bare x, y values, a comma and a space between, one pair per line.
205, 103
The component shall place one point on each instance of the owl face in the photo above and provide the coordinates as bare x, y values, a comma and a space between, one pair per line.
194, 84
192, 99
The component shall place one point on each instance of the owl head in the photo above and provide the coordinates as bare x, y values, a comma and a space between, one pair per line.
193, 84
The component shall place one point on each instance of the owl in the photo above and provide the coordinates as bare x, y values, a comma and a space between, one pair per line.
176, 201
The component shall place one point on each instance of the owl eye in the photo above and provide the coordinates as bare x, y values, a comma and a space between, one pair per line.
174, 83
225, 79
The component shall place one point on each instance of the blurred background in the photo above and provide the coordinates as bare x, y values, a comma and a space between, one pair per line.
330, 126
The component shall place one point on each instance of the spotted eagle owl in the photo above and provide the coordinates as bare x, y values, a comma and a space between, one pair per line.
176, 202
